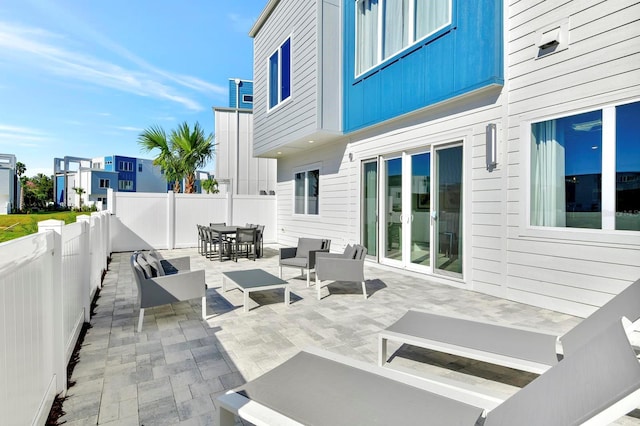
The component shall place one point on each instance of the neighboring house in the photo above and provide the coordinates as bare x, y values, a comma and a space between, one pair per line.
95, 176
235, 161
9, 183
486, 145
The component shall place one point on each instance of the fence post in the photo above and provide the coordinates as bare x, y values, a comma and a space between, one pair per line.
57, 303
171, 219
101, 244
89, 256
85, 253
111, 201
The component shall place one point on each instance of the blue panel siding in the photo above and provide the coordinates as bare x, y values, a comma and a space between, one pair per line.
111, 167
246, 89
60, 189
125, 175
465, 56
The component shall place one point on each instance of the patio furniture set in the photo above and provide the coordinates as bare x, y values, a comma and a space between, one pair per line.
221, 241
590, 375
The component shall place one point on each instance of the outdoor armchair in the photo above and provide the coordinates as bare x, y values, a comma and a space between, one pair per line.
157, 290
596, 385
346, 266
303, 256
521, 348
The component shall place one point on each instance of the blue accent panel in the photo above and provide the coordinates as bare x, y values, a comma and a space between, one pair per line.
60, 189
111, 167
460, 58
285, 70
246, 94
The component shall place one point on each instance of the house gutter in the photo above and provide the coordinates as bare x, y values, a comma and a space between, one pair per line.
263, 17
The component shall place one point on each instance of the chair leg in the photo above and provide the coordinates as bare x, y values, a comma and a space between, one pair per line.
364, 290
318, 287
280, 276
308, 279
204, 307
140, 320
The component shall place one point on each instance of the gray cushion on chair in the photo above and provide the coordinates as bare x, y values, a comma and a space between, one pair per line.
295, 261
305, 245
349, 252
148, 271
317, 391
586, 382
626, 303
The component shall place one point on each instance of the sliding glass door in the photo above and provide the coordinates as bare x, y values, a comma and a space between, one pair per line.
414, 218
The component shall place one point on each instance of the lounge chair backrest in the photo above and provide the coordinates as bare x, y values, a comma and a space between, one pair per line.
154, 261
626, 303
142, 262
582, 385
305, 245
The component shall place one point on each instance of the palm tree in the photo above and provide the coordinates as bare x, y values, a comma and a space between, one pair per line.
155, 138
79, 191
20, 170
193, 149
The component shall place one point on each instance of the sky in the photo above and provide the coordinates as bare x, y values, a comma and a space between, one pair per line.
83, 78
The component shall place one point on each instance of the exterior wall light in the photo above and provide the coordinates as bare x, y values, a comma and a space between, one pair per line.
491, 146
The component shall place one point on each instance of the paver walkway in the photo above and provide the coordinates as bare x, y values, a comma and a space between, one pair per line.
172, 372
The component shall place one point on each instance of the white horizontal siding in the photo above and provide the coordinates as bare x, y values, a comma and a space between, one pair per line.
298, 115
566, 269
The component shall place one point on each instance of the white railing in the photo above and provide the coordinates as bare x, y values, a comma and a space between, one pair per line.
47, 281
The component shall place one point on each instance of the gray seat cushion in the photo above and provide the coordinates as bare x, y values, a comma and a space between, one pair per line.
349, 251
300, 262
146, 268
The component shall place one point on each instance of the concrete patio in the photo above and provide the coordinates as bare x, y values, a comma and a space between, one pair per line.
172, 372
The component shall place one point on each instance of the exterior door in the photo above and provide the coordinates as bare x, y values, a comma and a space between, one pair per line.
420, 209
447, 211
370, 207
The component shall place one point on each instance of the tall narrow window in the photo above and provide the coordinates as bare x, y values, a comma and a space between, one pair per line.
307, 192
383, 28
628, 167
566, 172
280, 74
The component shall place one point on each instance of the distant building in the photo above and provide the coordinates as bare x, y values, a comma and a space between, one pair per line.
9, 183
96, 175
235, 162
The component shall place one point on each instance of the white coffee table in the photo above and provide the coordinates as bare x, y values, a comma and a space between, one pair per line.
254, 280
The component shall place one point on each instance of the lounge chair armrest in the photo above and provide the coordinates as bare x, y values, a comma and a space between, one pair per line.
312, 257
184, 285
288, 252
340, 269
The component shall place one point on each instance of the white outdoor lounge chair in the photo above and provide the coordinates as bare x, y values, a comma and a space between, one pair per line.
595, 385
521, 348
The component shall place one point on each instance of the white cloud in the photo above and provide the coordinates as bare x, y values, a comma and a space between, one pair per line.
21, 136
40, 49
129, 128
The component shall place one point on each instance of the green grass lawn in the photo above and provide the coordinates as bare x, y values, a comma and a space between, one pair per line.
18, 225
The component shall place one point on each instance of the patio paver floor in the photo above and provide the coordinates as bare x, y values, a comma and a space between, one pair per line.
172, 372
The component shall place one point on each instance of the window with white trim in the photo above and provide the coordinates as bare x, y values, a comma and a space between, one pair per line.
125, 166
279, 74
385, 27
247, 99
104, 183
125, 185
585, 170
306, 185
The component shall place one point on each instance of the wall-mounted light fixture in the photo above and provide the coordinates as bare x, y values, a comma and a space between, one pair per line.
491, 146
351, 156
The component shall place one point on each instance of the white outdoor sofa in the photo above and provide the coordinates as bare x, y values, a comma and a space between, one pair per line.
521, 348
595, 385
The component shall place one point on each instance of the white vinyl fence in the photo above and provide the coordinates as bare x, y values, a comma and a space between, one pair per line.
47, 282
167, 220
